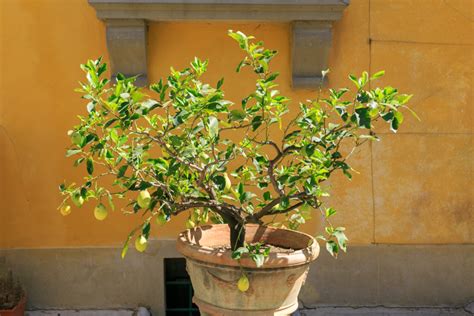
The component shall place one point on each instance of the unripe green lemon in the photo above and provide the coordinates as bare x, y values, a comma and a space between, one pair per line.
228, 183
205, 217
161, 219
195, 216
65, 210
76, 138
77, 199
243, 283
100, 212
190, 224
144, 199
140, 244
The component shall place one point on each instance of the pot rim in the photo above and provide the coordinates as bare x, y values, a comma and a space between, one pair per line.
223, 257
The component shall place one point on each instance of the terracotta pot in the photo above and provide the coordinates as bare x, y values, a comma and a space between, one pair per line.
18, 310
274, 288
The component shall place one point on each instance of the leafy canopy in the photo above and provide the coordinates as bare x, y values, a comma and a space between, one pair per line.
187, 148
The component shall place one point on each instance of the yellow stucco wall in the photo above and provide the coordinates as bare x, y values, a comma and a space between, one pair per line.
414, 187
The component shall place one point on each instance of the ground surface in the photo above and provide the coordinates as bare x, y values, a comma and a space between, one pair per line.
381, 311
323, 311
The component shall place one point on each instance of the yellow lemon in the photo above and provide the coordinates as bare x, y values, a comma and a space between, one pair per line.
140, 244
65, 210
144, 199
100, 212
243, 283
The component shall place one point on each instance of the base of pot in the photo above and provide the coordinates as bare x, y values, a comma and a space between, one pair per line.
207, 309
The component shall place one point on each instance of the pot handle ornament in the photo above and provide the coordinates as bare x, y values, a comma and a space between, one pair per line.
227, 284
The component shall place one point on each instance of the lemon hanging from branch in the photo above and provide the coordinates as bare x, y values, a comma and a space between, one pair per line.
100, 212
141, 243
243, 284
144, 199
65, 210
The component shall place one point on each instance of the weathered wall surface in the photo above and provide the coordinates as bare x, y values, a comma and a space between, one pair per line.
414, 188
88, 278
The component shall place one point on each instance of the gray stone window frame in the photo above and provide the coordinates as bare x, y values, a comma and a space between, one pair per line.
311, 21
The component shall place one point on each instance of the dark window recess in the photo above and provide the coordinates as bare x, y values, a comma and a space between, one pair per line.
178, 289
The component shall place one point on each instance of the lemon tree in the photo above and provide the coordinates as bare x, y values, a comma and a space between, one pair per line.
181, 146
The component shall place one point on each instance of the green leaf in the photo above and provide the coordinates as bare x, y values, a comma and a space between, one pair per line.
146, 229
121, 171
262, 185
377, 75
110, 122
111, 202
272, 77
220, 83
332, 247
309, 150
237, 254
363, 117
256, 122
78, 161
114, 135
236, 115
341, 239
240, 65
355, 81
396, 121
213, 126
175, 140
125, 245
267, 196
258, 259
240, 192
72, 152
330, 212
371, 137
399, 117
292, 134
219, 181
90, 107
365, 77
90, 166
285, 202
388, 116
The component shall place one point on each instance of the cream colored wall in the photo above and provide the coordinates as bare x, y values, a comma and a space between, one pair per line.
414, 187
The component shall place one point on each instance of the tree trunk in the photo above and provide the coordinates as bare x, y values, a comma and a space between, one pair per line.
237, 234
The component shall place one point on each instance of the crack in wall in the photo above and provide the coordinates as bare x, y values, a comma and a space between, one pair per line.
18, 167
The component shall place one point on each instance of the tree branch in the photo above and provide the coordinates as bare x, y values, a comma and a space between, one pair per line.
267, 209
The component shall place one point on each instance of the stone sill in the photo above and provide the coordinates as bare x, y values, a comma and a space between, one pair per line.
259, 10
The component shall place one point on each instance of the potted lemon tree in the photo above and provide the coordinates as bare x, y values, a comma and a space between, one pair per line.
247, 174
12, 296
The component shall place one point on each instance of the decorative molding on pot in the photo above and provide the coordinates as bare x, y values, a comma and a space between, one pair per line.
311, 20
